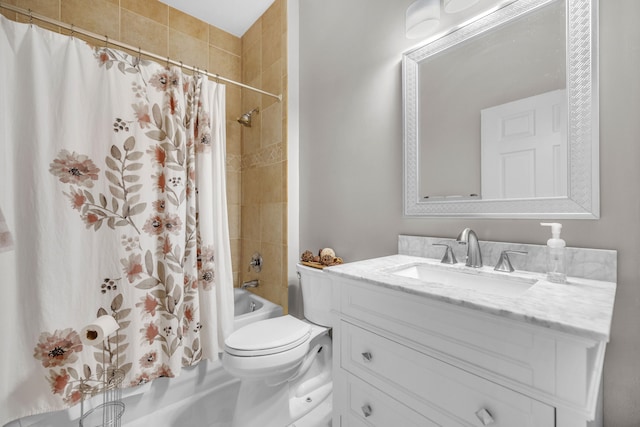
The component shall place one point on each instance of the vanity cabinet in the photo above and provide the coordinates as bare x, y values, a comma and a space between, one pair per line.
402, 359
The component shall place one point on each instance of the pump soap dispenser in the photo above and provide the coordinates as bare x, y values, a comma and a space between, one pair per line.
556, 271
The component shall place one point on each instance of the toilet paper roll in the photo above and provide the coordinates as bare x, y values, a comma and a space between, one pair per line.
94, 333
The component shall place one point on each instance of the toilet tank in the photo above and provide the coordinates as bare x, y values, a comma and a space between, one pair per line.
316, 295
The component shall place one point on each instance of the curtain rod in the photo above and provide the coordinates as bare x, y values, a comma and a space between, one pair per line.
74, 29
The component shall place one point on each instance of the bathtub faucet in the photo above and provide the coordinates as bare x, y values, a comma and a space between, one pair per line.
250, 284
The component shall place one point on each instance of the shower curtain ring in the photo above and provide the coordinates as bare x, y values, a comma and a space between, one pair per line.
167, 62
106, 42
73, 31
30, 18
139, 54
181, 65
218, 78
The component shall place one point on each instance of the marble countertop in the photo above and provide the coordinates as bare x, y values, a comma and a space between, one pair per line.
581, 307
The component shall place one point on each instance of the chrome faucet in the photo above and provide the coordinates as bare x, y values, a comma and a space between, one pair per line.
474, 257
250, 284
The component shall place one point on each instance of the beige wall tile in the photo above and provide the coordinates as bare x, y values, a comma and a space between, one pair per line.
271, 272
234, 188
250, 188
271, 223
272, 125
98, 16
188, 24
236, 250
252, 36
48, 8
272, 82
284, 294
263, 156
233, 210
225, 41
251, 63
144, 33
251, 136
54, 28
271, 45
251, 221
251, 99
249, 247
272, 18
224, 63
152, 9
285, 222
8, 14
283, 53
234, 139
234, 110
285, 98
190, 50
271, 184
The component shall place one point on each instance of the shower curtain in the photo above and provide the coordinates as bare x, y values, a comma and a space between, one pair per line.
112, 174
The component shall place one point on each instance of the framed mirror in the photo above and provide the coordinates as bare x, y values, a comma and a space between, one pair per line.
501, 115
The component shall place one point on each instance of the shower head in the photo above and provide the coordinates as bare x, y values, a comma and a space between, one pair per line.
245, 119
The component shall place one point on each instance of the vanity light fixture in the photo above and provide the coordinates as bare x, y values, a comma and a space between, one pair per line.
423, 16
454, 6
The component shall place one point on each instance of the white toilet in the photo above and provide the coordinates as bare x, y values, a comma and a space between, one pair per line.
284, 363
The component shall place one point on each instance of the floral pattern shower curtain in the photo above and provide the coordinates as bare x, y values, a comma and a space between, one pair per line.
113, 183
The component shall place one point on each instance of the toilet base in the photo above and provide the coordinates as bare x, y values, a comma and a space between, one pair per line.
262, 405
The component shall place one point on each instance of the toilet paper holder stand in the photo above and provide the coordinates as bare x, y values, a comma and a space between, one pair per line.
108, 412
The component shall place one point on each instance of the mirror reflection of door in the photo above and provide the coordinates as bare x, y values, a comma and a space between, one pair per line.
524, 149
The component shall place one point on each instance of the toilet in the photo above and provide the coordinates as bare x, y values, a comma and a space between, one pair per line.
284, 363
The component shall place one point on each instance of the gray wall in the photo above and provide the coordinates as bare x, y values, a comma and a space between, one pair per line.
351, 159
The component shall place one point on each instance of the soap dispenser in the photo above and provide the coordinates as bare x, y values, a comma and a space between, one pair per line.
556, 270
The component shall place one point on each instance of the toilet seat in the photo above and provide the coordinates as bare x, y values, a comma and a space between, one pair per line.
268, 337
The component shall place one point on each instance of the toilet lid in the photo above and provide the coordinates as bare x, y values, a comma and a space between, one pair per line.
268, 337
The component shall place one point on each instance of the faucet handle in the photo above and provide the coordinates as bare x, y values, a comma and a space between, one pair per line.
504, 263
448, 257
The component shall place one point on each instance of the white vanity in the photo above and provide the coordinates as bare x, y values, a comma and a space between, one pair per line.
514, 351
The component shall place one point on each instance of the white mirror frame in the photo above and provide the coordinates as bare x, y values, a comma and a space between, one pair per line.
583, 200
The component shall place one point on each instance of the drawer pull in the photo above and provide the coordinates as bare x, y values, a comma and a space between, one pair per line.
366, 356
367, 411
485, 417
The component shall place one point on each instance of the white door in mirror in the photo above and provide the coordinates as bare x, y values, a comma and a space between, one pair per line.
524, 148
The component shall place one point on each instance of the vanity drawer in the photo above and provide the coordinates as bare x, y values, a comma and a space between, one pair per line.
480, 340
435, 387
368, 406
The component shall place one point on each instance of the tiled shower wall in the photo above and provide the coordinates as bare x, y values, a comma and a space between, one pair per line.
155, 27
264, 163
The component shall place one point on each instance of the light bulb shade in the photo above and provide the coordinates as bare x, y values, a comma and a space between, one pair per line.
454, 6
423, 16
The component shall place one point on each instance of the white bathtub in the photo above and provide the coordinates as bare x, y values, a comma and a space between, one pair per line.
250, 308
202, 396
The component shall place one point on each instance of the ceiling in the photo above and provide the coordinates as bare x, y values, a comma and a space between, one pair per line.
232, 16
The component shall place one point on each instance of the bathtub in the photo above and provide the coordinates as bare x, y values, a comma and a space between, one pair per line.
202, 396
249, 308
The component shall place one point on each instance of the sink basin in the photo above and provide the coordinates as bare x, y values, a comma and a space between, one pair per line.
466, 278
